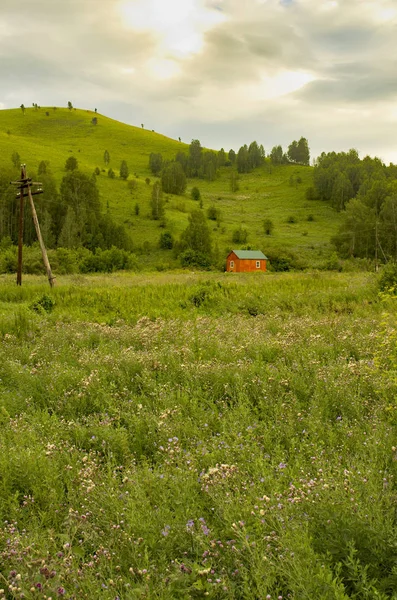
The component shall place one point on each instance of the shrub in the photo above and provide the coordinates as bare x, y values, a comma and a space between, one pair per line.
213, 213
268, 226
240, 236
388, 278
166, 240
43, 304
195, 194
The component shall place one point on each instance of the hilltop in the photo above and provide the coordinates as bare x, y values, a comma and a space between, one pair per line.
52, 134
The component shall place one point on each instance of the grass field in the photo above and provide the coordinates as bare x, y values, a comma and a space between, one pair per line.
301, 227
198, 436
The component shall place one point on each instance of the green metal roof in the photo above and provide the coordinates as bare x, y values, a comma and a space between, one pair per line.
250, 254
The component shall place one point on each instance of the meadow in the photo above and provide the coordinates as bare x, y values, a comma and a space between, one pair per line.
198, 436
301, 227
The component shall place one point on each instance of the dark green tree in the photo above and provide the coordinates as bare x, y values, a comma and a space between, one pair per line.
243, 165
155, 163
22, 107
254, 156
277, 155
106, 157
173, 178
111, 173
70, 105
221, 158
303, 152
195, 155
197, 235
195, 194
268, 226
166, 240
71, 164
232, 156
124, 172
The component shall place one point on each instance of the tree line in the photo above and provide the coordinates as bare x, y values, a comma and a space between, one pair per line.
70, 216
366, 191
204, 164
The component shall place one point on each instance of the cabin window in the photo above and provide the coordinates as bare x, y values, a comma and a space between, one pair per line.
232, 264
258, 264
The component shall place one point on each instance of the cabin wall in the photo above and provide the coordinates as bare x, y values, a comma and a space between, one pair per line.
244, 265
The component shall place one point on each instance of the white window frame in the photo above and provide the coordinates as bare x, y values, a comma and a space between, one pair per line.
231, 264
258, 264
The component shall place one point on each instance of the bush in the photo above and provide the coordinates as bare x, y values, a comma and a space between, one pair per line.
213, 213
191, 258
268, 226
388, 278
43, 304
166, 240
240, 236
195, 194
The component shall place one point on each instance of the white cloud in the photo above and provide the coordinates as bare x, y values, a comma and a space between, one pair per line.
232, 69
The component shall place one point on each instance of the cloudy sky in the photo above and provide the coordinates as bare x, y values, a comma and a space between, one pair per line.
224, 71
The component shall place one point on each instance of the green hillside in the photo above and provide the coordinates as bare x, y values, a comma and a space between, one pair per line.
300, 226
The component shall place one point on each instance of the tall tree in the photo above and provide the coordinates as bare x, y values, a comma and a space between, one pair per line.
173, 178
277, 155
71, 164
243, 165
157, 202
195, 155
197, 235
124, 171
155, 162
303, 152
106, 157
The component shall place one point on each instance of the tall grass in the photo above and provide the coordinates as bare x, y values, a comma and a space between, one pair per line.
201, 437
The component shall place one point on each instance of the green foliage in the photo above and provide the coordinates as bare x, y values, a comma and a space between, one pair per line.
173, 179
71, 164
111, 173
197, 239
213, 213
298, 152
106, 157
166, 240
195, 194
157, 202
44, 303
195, 157
124, 171
137, 209
240, 236
388, 278
70, 105
155, 162
196, 423
268, 226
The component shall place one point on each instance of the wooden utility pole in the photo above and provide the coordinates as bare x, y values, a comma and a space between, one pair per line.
24, 184
20, 234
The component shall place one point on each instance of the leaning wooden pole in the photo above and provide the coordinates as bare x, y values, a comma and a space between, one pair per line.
20, 233
51, 278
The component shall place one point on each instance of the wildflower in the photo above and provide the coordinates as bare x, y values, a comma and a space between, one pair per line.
190, 525
282, 465
61, 591
166, 530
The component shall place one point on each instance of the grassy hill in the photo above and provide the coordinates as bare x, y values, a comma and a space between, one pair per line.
54, 134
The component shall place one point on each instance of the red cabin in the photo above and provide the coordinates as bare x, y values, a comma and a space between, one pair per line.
246, 261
